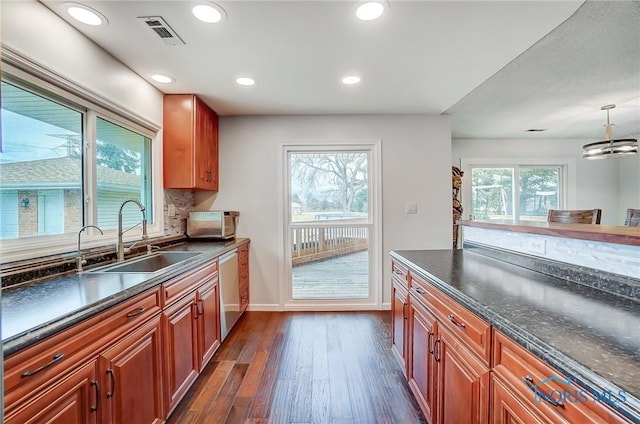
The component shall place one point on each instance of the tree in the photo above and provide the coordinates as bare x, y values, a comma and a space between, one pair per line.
117, 157
108, 154
336, 175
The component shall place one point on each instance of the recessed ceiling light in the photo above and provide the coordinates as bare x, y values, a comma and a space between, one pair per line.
245, 81
209, 13
162, 79
85, 14
370, 10
351, 79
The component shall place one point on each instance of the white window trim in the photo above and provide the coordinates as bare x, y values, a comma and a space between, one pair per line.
568, 180
29, 248
375, 222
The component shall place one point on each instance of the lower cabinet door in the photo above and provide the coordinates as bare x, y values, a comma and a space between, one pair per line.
399, 323
507, 409
131, 375
74, 400
208, 300
181, 349
421, 369
463, 382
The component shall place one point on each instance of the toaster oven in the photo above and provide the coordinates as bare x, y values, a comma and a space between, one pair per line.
212, 224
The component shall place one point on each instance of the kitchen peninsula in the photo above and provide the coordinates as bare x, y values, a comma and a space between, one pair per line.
519, 336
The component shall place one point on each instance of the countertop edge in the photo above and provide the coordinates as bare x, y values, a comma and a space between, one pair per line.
24, 340
583, 376
602, 233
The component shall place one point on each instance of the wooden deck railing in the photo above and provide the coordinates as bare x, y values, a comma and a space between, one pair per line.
314, 243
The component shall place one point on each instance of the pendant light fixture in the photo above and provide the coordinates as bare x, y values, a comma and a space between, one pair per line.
610, 147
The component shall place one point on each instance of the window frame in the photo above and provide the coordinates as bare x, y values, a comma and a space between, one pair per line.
567, 167
56, 88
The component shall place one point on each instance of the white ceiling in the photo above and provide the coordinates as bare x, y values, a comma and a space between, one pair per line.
498, 67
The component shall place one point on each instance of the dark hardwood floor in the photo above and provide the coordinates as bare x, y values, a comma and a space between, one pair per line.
303, 367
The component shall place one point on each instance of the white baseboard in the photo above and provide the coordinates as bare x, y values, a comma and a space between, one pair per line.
274, 307
264, 307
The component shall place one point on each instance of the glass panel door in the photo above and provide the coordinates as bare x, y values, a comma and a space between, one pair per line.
329, 224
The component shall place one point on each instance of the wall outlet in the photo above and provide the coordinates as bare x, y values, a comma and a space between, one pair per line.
171, 210
411, 208
536, 245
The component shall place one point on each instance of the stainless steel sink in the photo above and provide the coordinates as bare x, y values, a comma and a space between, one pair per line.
150, 263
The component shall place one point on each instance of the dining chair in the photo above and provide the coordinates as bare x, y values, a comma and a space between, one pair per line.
633, 218
575, 216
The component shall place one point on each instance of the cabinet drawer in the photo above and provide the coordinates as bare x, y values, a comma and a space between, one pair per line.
471, 329
180, 286
40, 365
400, 273
524, 373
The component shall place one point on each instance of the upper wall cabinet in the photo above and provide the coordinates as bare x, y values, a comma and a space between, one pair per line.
190, 143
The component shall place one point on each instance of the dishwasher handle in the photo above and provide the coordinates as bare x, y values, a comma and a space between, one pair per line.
225, 257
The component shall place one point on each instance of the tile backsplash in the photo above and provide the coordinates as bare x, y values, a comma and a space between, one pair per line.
181, 202
609, 257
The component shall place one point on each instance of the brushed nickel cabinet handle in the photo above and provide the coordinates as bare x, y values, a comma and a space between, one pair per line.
135, 313
420, 290
56, 358
528, 380
113, 383
95, 384
453, 320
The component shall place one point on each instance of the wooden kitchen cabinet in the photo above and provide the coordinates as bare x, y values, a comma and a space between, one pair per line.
208, 302
73, 400
399, 321
190, 143
243, 276
131, 377
192, 330
443, 373
461, 370
181, 349
506, 408
421, 370
519, 372
400, 314
462, 388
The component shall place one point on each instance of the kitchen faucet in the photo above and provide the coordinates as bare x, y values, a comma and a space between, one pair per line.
80, 260
120, 246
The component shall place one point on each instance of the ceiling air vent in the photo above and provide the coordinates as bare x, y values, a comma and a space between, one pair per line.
162, 29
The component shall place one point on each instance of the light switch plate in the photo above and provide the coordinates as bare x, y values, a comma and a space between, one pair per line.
171, 210
411, 208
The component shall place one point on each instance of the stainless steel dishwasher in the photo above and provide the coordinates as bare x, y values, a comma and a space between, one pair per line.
229, 291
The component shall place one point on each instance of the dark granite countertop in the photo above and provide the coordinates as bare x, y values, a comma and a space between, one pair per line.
585, 333
31, 312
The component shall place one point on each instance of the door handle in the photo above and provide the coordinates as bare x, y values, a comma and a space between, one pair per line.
113, 383
95, 384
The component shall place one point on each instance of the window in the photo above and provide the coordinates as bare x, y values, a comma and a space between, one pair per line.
514, 191
56, 151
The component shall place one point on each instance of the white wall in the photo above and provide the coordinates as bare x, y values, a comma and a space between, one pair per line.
34, 31
597, 181
629, 183
416, 157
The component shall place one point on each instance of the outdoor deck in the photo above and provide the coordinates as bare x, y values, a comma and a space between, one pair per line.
343, 276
